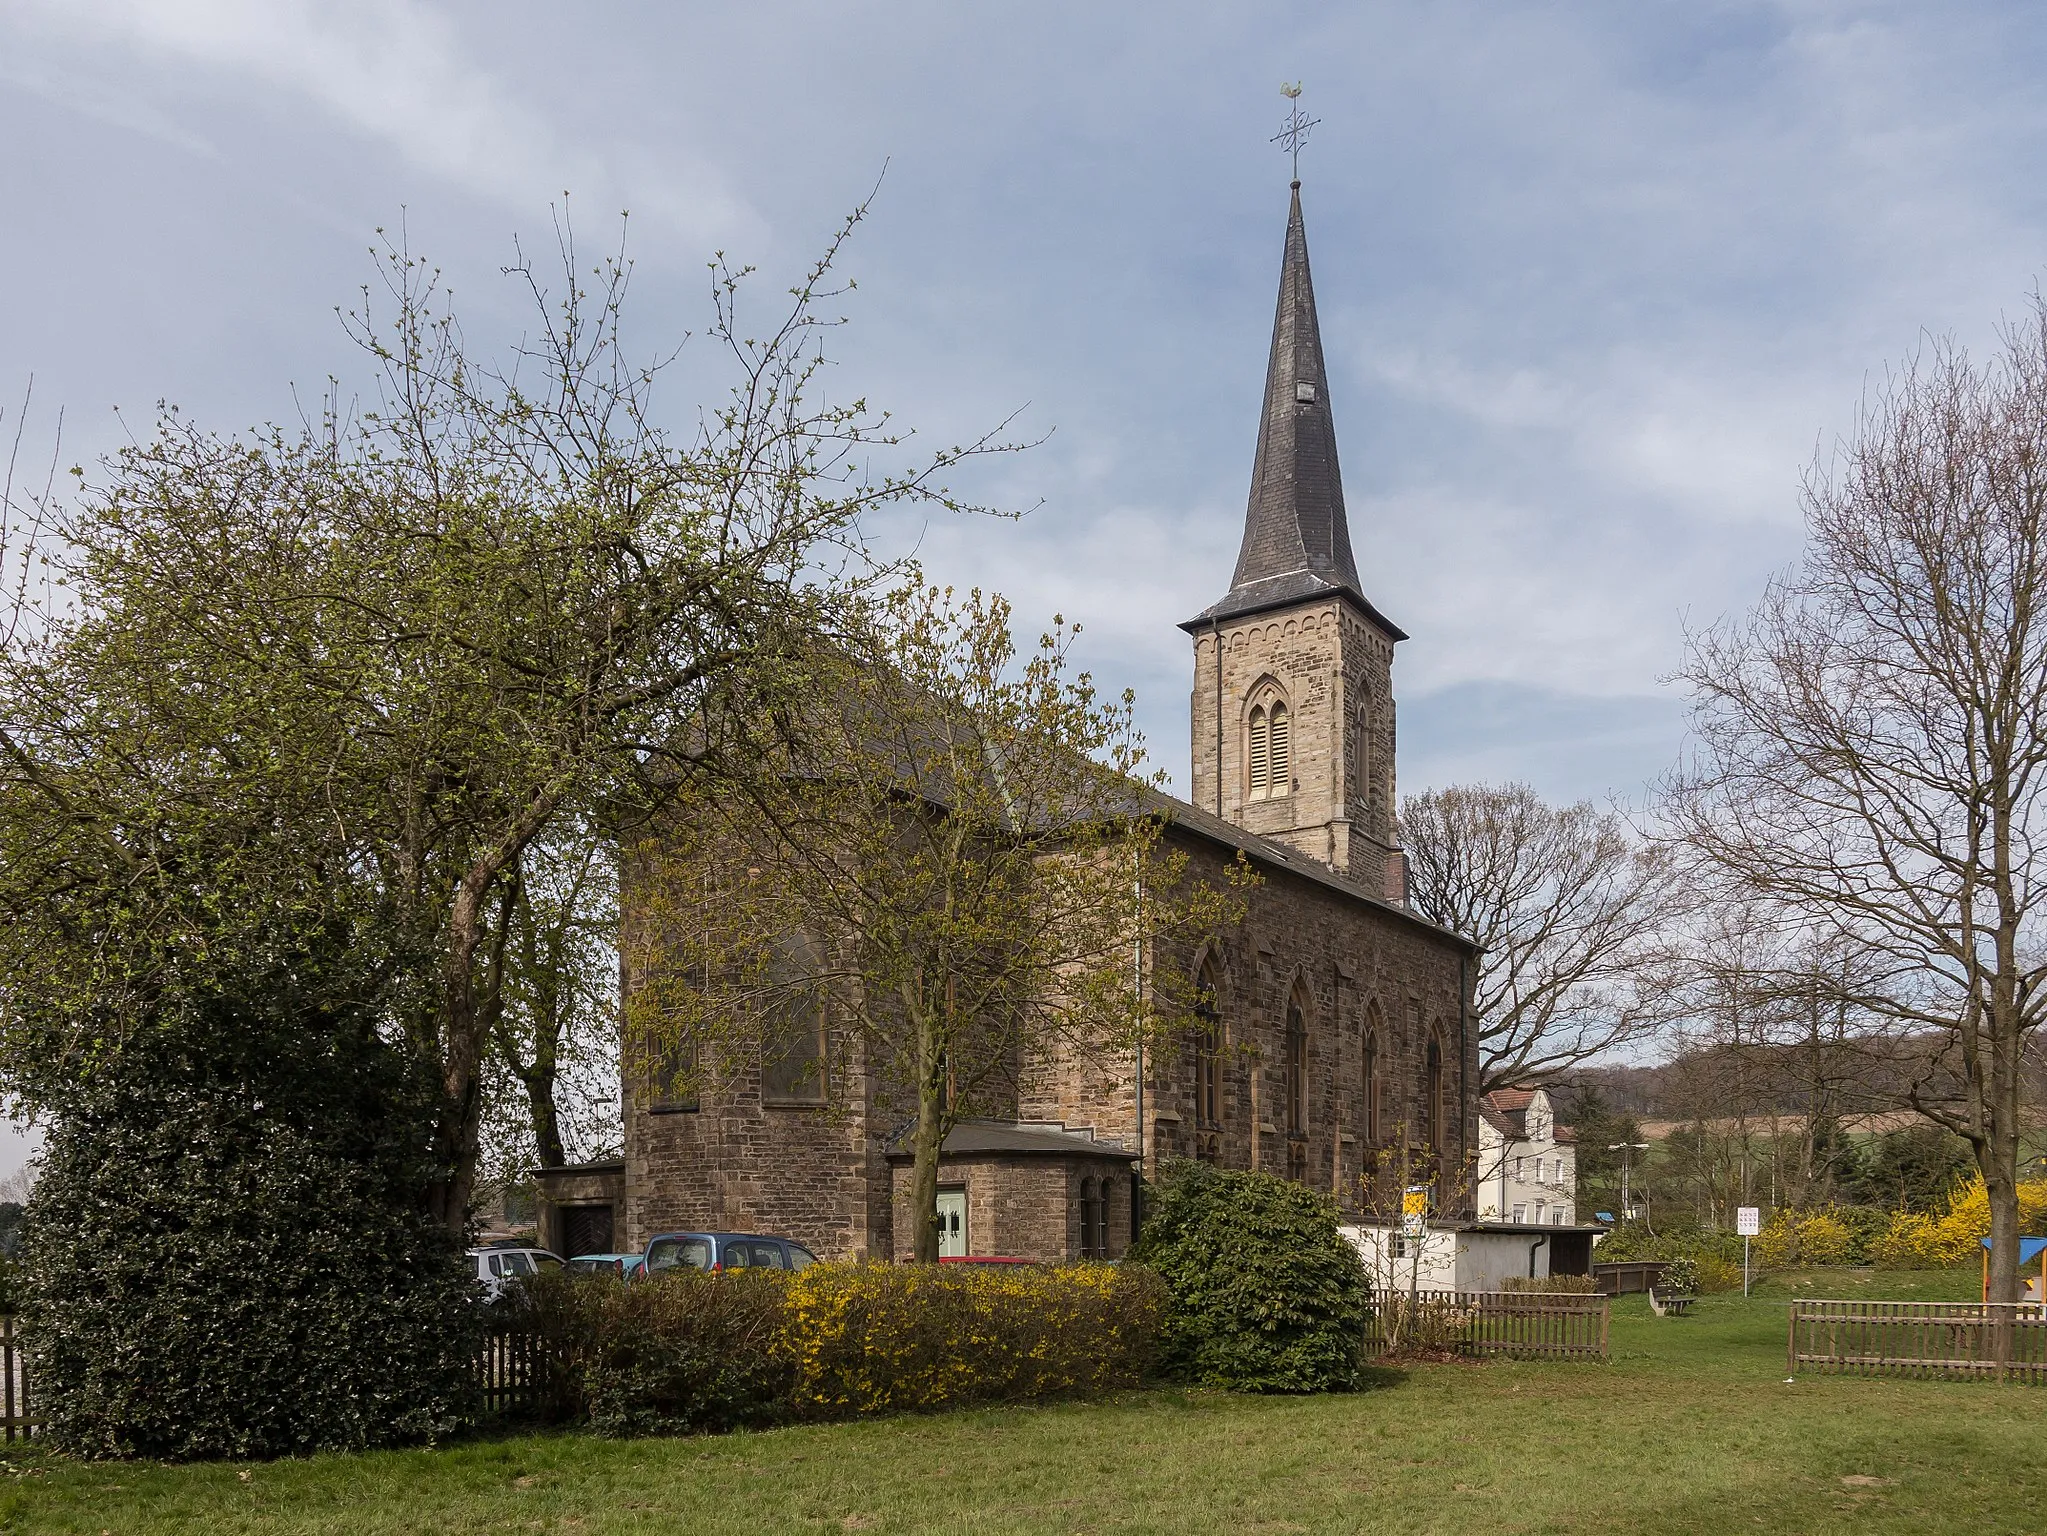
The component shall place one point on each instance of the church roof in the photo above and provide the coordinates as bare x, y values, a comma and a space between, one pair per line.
1274, 854
1014, 1138
1296, 537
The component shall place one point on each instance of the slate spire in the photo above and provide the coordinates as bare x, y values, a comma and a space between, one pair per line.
1296, 537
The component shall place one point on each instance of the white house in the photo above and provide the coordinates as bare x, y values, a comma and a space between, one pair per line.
1527, 1163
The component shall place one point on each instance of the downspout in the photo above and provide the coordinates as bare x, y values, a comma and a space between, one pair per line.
1215, 635
1533, 1249
1464, 1044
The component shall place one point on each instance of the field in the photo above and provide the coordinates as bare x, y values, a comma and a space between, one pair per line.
1692, 1427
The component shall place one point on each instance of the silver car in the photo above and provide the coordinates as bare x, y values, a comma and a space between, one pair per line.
500, 1268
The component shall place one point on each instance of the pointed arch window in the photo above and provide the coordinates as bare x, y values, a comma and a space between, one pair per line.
1434, 1120
1270, 753
1208, 1047
1296, 1091
1371, 1083
793, 1040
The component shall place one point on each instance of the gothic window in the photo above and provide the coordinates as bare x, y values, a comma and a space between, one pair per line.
1208, 1044
792, 1038
1089, 1202
1434, 1120
1296, 1070
674, 1073
1271, 757
1360, 753
1296, 1061
1371, 1084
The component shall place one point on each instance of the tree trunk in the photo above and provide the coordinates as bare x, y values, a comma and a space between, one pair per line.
461, 1061
547, 1134
930, 1138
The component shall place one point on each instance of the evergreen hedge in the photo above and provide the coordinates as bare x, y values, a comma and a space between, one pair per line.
228, 1254
1265, 1294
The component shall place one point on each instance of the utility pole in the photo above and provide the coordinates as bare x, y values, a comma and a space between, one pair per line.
1627, 1150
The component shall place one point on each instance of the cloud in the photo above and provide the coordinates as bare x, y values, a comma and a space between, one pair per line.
401, 74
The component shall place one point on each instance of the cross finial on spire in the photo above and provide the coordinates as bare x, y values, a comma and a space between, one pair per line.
1297, 128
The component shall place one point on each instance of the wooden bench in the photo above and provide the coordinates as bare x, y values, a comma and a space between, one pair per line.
1669, 1306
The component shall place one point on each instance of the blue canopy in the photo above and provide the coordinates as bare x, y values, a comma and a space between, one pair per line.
2029, 1248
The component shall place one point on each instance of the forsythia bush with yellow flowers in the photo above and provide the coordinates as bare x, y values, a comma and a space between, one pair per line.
692, 1352
875, 1338
1918, 1241
1804, 1237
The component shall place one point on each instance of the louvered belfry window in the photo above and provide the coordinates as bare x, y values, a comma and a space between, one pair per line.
1271, 764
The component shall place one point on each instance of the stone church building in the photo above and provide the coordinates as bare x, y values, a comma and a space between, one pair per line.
1339, 1052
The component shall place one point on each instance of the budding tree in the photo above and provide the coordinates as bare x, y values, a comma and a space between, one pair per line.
957, 874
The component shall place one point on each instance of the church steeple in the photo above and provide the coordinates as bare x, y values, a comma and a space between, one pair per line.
1292, 709
1296, 537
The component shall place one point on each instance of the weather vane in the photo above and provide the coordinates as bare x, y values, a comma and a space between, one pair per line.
1297, 128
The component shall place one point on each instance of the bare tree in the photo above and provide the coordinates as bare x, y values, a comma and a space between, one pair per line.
1568, 906
1869, 739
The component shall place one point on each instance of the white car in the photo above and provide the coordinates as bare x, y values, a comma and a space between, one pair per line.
499, 1268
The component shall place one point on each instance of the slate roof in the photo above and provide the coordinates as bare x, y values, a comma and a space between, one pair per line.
1266, 851
1296, 537
1013, 1139
1506, 1111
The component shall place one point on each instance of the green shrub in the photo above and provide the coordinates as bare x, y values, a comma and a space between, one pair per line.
690, 1352
228, 1254
1265, 1294
682, 1354
1680, 1277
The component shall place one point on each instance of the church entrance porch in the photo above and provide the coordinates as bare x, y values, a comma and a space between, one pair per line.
1022, 1191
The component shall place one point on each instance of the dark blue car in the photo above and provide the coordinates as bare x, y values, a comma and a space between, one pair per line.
723, 1250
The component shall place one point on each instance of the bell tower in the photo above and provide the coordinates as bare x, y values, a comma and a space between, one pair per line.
1293, 669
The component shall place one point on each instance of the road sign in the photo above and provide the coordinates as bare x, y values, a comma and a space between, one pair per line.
1414, 1210
1748, 1220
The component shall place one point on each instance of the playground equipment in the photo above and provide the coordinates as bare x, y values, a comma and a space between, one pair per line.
2031, 1250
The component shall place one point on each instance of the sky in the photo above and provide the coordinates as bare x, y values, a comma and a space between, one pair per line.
1598, 281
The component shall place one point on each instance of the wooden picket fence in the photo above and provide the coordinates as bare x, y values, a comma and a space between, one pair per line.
1535, 1324
2004, 1341
511, 1373
17, 1422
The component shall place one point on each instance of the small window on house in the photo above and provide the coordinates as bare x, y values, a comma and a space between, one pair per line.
1556, 1217
1090, 1219
1520, 1213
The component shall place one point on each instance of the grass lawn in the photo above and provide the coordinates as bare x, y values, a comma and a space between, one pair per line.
1692, 1427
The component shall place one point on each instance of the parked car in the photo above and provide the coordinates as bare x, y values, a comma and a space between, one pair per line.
724, 1250
613, 1266
497, 1269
